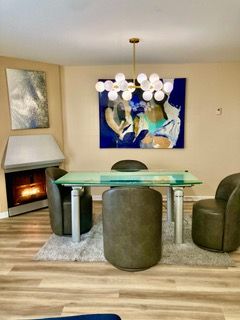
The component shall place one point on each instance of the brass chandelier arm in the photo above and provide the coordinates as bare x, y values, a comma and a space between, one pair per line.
130, 86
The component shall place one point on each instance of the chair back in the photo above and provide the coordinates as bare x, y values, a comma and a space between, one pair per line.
231, 235
55, 198
226, 186
132, 224
129, 165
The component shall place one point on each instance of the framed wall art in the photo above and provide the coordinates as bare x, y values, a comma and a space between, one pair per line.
144, 124
27, 98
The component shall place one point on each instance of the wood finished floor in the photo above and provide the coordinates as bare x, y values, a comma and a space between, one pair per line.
34, 289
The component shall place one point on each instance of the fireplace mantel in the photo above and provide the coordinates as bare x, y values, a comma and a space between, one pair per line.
31, 152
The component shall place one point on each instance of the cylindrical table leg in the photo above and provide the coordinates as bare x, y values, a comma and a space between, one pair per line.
75, 197
178, 210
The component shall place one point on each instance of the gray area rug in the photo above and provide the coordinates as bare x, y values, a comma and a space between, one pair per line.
90, 249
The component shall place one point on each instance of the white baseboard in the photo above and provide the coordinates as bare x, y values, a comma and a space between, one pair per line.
3, 214
98, 197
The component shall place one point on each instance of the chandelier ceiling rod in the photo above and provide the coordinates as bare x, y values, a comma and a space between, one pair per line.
134, 41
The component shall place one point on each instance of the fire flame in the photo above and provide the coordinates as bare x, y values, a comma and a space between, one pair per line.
30, 191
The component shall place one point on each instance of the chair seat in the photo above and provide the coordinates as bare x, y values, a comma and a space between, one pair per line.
211, 206
208, 222
85, 218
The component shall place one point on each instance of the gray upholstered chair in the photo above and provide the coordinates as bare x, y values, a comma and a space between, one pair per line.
129, 165
132, 227
59, 203
216, 222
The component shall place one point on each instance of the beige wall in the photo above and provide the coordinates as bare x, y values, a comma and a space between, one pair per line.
212, 143
54, 108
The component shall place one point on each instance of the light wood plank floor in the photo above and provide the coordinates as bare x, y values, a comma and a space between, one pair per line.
32, 289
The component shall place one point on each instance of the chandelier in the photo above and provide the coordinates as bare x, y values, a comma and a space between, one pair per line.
152, 87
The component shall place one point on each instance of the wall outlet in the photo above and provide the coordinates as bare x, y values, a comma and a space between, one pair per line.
218, 111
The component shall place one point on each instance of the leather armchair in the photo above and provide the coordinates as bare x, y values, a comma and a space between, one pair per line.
129, 165
216, 222
132, 227
59, 203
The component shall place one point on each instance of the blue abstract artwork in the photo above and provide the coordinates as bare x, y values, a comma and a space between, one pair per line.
144, 124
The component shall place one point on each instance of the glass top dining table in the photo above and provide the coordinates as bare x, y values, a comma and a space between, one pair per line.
156, 178
175, 181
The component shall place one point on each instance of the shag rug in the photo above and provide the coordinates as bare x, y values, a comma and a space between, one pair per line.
90, 249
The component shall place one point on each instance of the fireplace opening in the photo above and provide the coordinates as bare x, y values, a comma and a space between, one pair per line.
25, 187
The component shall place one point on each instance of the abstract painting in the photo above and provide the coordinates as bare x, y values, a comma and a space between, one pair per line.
28, 99
144, 124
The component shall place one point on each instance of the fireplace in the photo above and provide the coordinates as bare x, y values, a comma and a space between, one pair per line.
26, 190
26, 159
25, 187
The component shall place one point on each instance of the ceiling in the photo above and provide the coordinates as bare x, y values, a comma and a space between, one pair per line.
92, 32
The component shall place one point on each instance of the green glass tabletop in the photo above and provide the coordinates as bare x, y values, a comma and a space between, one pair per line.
139, 178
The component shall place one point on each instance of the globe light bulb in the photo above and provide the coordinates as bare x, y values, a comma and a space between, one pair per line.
108, 85
99, 86
158, 85
167, 87
145, 85
131, 87
123, 85
159, 95
119, 77
112, 95
141, 77
127, 95
147, 95
153, 77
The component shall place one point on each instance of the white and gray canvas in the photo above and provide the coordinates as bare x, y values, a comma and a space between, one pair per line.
27, 98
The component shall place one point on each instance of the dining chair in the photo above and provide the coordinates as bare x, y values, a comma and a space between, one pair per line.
216, 222
59, 203
132, 227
